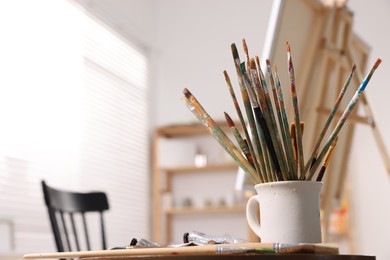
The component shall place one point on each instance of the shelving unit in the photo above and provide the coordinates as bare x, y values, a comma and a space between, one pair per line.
163, 177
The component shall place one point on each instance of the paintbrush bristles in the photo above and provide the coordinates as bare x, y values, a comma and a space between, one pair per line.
378, 61
245, 47
187, 93
226, 76
234, 51
229, 120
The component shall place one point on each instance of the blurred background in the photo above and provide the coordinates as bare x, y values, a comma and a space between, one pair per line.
85, 85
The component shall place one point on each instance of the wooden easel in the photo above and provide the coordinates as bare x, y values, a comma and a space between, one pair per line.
337, 50
324, 48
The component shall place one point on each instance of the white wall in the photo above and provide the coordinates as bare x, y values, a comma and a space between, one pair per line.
190, 46
194, 40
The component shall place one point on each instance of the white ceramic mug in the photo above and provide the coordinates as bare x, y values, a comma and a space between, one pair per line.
289, 212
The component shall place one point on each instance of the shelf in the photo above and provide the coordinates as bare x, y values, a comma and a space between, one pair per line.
211, 209
183, 130
207, 168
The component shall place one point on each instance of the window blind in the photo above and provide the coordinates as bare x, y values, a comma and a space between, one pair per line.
74, 111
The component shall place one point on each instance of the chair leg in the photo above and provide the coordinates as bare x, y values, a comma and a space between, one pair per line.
104, 246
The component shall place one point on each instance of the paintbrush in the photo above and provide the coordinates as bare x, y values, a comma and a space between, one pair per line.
272, 117
195, 107
326, 160
260, 131
257, 89
247, 105
297, 119
242, 121
267, 135
268, 111
314, 153
257, 78
243, 145
343, 118
283, 152
285, 126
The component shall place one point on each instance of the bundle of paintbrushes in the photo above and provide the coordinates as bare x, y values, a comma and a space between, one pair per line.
271, 148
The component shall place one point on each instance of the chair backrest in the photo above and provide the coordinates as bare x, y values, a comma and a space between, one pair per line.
62, 207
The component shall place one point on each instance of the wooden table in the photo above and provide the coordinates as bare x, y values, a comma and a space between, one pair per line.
246, 251
240, 257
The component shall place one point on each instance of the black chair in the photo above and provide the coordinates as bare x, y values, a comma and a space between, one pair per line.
62, 207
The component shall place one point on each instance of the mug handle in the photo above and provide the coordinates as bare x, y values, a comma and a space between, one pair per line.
251, 215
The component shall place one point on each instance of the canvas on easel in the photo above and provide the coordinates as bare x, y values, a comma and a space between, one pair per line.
324, 49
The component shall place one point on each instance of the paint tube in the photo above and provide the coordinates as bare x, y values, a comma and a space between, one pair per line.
199, 238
